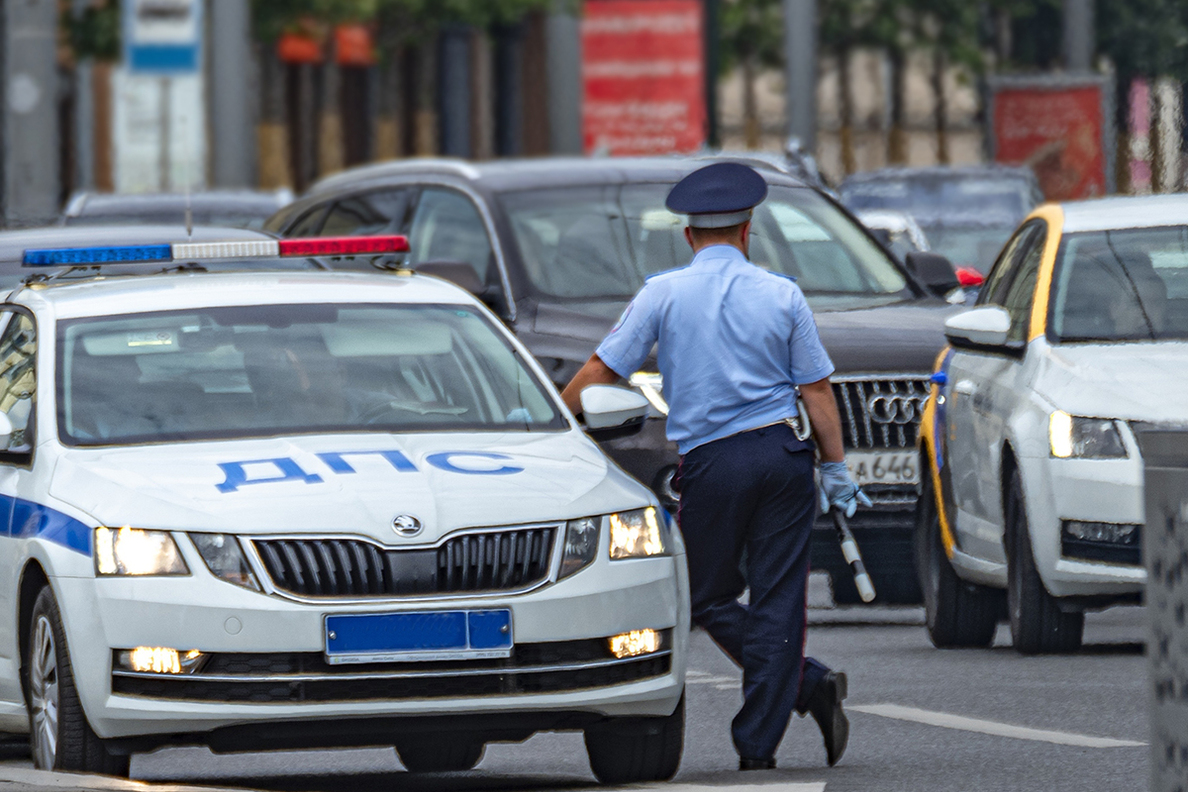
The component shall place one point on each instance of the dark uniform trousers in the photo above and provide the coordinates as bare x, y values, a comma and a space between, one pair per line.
754, 490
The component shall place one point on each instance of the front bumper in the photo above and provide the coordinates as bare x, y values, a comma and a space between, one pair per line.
1092, 490
257, 634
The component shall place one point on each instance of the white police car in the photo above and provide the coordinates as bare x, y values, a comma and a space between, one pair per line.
284, 510
1035, 487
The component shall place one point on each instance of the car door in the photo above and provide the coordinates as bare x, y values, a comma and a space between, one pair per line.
974, 397
18, 390
447, 228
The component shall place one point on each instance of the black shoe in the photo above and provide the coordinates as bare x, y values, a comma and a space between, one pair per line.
756, 764
825, 705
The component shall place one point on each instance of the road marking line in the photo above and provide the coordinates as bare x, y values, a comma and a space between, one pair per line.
711, 680
948, 721
802, 786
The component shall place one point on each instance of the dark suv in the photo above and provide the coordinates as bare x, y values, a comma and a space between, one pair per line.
558, 246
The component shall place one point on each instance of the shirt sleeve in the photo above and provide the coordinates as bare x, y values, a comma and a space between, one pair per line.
627, 346
810, 361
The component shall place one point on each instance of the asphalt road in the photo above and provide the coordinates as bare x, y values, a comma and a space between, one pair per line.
1065, 702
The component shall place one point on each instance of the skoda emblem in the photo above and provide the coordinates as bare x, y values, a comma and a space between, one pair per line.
407, 526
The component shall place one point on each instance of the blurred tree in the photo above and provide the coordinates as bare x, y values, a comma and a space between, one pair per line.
95, 33
752, 37
950, 30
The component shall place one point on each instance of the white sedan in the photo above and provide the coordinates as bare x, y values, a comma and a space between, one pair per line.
1035, 492
281, 510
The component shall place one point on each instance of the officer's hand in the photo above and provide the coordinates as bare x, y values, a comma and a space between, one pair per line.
839, 490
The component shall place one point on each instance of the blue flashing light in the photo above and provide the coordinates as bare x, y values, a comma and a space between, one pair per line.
105, 255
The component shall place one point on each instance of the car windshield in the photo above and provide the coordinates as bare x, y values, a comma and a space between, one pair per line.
601, 242
1002, 200
1121, 286
268, 370
969, 246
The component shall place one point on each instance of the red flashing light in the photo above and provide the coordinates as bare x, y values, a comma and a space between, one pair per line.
344, 246
969, 277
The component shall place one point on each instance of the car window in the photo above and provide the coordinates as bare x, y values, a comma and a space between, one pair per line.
1121, 285
1020, 295
447, 227
590, 242
18, 378
309, 225
368, 214
260, 371
993, 291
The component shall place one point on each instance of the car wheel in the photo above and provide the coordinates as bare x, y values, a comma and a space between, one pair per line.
1038, 625
60, 736
628, 750
443, 754
956, 613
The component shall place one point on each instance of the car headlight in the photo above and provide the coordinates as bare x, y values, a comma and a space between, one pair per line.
1073, 436
133, 552
581, 544
225, 559
638, 534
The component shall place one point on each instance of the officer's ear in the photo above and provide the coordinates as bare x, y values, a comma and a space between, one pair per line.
744, 241
689, 237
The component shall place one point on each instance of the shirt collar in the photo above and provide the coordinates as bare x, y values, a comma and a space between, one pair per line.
718, 253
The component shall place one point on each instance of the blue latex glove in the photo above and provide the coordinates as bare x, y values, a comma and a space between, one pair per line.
839, 490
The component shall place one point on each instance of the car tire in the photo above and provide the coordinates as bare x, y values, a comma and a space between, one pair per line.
1038, 625
60, 737
956, 613
445, 753
630, 750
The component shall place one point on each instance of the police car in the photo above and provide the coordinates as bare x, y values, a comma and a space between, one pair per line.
1035, 486
265, 510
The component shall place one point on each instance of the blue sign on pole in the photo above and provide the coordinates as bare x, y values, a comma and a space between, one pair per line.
162, 36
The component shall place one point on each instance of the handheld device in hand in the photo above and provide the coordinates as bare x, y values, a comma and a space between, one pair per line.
850, 550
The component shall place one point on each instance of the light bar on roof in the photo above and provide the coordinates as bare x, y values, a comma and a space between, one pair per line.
203, 251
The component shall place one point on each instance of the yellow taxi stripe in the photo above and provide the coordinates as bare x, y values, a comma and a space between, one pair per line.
927, 425
1053, 214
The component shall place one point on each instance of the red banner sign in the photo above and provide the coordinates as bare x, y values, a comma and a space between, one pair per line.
1058, 131
643, 69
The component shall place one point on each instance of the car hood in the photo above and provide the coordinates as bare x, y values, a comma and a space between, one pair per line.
904, 337
1131, 381
354, 484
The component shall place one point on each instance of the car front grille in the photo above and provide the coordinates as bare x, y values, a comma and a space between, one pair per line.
881, 412
306, 676
505, 560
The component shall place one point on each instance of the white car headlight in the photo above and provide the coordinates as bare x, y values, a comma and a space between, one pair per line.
133, 552
225, 559
638, 534
1071, 436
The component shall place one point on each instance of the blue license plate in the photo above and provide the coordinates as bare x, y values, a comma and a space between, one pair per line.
435, 635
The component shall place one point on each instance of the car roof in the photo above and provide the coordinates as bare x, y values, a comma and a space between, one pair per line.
1111, 214
13, 244
527, 173
82, 204
987, 171
189, 290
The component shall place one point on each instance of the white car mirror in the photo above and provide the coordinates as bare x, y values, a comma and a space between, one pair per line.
611, 411
987, 326
6, 430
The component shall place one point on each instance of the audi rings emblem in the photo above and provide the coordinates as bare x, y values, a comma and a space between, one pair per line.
407, 526
893, 409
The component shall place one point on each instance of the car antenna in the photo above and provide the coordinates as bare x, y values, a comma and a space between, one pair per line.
186, 165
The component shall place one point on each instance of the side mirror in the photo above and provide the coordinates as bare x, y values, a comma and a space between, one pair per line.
612, 412
934, 270
458, 273
6, 430
980, 328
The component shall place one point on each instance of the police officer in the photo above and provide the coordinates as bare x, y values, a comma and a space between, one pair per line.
736, 343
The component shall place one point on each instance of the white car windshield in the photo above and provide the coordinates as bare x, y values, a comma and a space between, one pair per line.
267, 370
601, 242
1122, 286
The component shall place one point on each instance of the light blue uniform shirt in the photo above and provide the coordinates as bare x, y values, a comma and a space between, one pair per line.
734, 342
